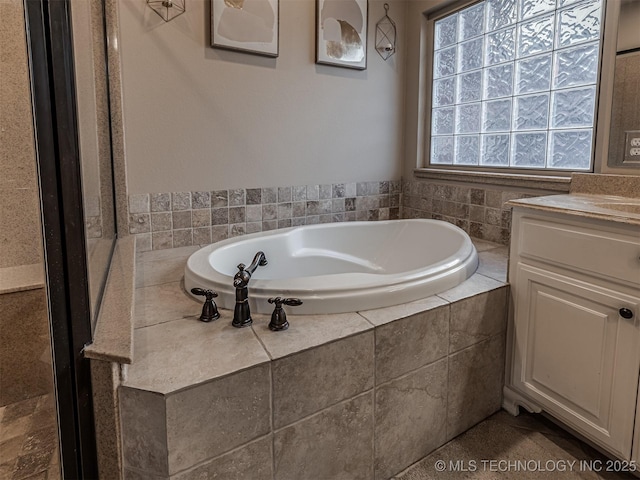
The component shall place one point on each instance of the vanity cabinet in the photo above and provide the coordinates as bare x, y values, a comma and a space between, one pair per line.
574, 349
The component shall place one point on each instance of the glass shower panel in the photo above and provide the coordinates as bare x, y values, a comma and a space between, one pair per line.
92, 95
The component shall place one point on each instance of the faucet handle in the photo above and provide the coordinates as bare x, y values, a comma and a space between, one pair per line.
209, 309
279, 317
241, 266
292, 302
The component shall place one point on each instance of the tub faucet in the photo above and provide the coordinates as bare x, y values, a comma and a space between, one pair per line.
241, 312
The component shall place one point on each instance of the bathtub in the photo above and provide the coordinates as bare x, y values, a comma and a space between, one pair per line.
339, 267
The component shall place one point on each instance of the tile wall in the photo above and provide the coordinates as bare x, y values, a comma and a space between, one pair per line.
479, 211
178, 219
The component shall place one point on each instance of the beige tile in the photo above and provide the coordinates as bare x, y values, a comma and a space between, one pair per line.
15, 428
475, 384
477, 318
499, 438
493, 263
484, 245
336, 444
23, 277
309, 381
307, 331
214, 349
160, 271
20, 235
474, 285
37, 452
385, 315
104, 380
168, 254
130, 474
144, 430
411, 343
410, 418
24, 340
164, 303
250, 462
10, 450
215, 417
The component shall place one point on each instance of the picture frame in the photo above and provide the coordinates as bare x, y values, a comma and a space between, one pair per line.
248, 26
341, 33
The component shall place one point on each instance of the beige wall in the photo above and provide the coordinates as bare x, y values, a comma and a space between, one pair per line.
20, 224
198, 118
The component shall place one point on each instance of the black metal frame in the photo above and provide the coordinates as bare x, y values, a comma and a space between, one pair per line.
49, 41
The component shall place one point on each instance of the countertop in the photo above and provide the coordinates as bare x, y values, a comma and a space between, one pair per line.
614, 198
603, 207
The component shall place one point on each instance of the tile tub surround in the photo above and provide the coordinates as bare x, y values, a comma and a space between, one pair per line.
179, 219
354, 395
479, 210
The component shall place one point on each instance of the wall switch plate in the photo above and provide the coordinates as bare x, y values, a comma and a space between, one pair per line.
632, 146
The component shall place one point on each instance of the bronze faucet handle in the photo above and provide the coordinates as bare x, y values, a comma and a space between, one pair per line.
292, 302
241, 266
279, 317
279, 301
210, 294
209, 309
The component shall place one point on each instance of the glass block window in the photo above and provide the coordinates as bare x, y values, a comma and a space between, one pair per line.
514, 84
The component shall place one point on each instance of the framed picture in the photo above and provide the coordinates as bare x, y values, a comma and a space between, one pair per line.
250, 26
341, 33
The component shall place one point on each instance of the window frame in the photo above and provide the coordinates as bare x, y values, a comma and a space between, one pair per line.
507, 175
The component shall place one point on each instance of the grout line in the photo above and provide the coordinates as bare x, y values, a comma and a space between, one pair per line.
271, 419
320, 412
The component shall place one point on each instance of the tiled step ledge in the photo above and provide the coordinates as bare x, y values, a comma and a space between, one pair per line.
21, 278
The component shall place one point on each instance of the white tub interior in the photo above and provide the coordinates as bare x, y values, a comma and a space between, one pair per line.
339, 267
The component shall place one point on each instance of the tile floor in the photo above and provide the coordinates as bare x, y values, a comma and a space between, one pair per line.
29, 440
491, 449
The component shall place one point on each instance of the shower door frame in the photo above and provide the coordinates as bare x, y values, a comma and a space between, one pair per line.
49, 43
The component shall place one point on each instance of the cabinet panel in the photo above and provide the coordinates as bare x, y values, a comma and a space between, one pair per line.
575, 355
599, 253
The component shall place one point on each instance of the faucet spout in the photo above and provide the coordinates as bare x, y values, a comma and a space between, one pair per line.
259, 260
241, 312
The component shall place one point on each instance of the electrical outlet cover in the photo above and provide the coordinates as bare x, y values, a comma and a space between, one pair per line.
632, 148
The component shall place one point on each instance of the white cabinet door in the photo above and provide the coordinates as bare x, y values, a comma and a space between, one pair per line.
576, 356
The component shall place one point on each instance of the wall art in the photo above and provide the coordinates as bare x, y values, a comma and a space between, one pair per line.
250, 26
341, 33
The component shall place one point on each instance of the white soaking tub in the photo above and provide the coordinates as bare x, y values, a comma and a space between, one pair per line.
339, 267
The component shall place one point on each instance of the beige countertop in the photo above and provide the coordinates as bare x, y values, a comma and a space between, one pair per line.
602, 207
614, 198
